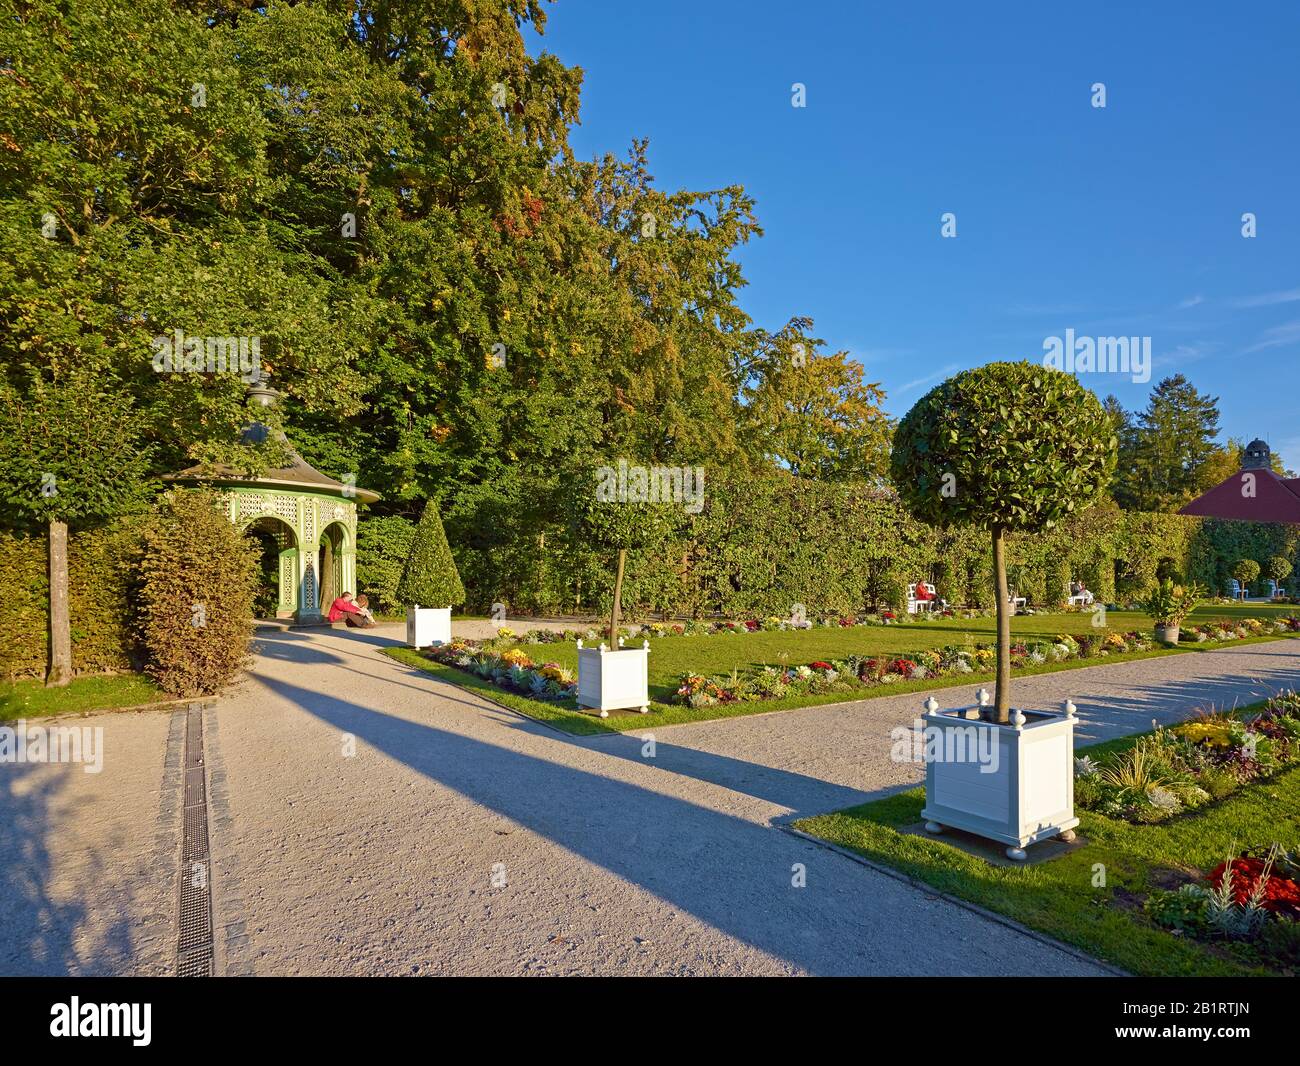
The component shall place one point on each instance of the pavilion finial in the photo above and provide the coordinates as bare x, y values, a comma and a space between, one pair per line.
1256, 456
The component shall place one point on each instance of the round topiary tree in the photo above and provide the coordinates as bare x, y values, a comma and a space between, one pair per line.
430, 577
1279, 568
602, 518
1246, 572
1006, 447
198, 577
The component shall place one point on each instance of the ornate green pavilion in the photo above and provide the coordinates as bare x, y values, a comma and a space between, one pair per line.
311, 517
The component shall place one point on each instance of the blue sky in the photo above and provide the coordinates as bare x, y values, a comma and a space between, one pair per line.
1117, 221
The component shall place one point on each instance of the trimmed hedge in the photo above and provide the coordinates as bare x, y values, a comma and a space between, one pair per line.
99, 601
763, 544
382, 547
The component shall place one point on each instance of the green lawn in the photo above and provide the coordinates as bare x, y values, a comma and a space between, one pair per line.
720, 654
31, 699
670, 657
1058, 897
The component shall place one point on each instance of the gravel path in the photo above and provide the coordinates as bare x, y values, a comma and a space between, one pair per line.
88, 861
369, 819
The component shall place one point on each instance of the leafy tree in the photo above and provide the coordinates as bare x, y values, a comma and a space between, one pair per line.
198, 578
1006, 447
69, 455
1247, 572
1168, 460
814, 413
430, 577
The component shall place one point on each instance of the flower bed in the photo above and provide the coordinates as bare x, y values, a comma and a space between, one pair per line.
1188, 765
1253, 898
1222, 630
511, 669
859, 671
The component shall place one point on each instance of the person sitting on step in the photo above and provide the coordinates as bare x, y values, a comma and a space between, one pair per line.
344, 610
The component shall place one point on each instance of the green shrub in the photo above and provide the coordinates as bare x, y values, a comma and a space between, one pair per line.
382, 547
198, 577
429, 577
1279, 941
1186, 910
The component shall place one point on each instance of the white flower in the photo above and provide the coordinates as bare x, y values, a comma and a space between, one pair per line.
1084, 766
1163, 799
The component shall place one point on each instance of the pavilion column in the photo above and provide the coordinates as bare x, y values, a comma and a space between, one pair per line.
308, 588
289, 573
348, 571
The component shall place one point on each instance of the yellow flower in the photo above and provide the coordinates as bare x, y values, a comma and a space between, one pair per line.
1215, 734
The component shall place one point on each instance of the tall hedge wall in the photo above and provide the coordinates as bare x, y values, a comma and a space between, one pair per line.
98, 601
762, 545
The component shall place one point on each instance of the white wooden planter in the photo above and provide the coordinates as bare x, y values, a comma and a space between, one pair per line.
1011, 783
428, 625
614, 680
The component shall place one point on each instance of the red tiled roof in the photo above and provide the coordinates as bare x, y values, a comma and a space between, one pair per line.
1274, 499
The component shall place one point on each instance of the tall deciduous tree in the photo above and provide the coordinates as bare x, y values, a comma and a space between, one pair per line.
814, 413
1007, 447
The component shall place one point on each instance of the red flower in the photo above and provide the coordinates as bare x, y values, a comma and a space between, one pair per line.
819, 665
1281, 894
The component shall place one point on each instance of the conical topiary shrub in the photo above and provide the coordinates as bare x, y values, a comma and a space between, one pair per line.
430, 577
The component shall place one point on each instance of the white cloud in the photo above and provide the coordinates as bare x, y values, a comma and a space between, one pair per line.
1269, 299
1191, 301
1277, 337
930, 379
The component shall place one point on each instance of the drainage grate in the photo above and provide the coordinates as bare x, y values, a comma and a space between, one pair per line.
194, 948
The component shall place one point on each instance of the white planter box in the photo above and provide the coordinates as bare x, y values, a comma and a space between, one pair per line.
1010, 783
428, 625
614, 680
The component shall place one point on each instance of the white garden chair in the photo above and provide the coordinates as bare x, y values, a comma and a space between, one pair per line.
914, 605
1016, 602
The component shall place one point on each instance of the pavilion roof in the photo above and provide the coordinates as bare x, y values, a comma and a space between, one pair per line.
297, 475
1274, 499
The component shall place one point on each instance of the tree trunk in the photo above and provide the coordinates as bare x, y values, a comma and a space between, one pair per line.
60, 672
618, 598
1001, 703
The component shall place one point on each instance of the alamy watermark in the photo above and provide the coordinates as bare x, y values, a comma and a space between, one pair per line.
923, 743
21, 743
1099, 355
177, 353
653, 484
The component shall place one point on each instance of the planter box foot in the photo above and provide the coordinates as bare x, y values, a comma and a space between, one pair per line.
1017, 853
1067, 836
604, 714
933, 827
645, 710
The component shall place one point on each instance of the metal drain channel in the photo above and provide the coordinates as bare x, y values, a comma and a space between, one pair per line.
194, 947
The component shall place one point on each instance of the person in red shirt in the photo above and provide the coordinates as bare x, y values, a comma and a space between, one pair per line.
344, 610
922, 591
